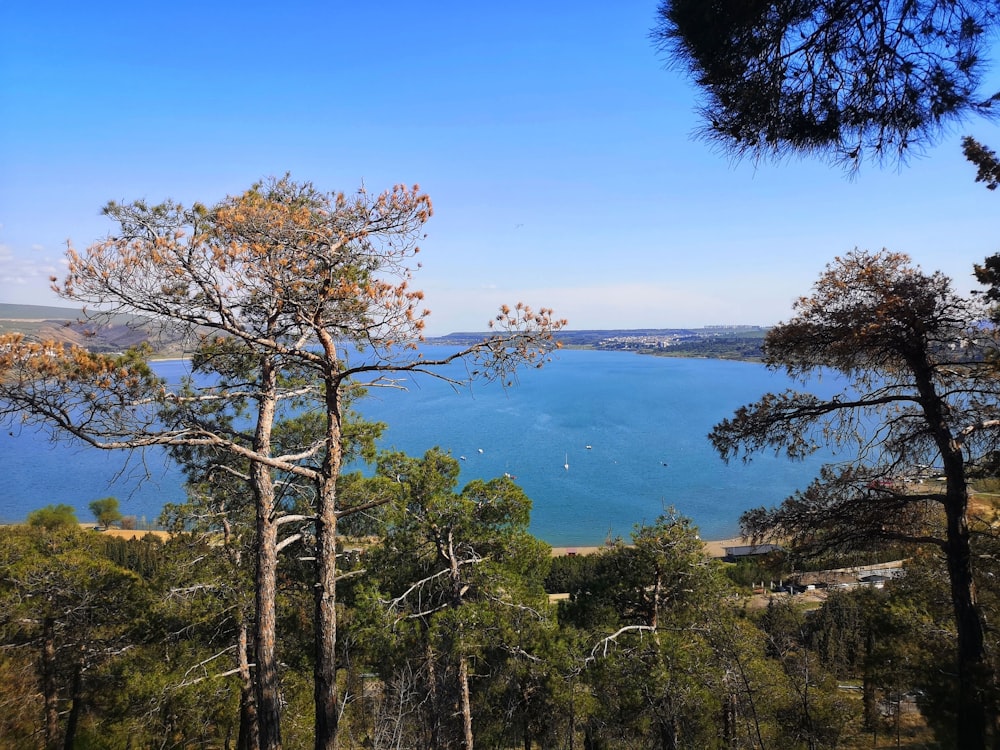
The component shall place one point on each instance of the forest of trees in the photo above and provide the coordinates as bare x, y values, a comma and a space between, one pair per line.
448, 638
296, 604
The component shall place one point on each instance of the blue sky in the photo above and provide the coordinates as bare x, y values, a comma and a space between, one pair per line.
556, 146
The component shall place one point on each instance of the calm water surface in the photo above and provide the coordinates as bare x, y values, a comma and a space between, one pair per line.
631, 428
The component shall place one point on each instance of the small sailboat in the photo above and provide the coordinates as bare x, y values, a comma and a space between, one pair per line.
566, 465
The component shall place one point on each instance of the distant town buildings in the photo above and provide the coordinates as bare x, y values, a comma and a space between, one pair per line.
662, 339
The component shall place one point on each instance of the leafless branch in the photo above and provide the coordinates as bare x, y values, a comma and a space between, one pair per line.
605, 643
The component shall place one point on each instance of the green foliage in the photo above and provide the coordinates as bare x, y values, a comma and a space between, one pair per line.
987, 171
571, 574
53, 517
159, 698
75, 610
357, 490
749, 571
106, 511
842, 631
648, 651
856, 79
665, 569
810, 709
912, 396
659, 691
457, 576
20, 699
654, 669
743, 348
145, 556
915, 633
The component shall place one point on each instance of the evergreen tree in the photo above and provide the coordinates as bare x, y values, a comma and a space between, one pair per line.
919, 391
461, 580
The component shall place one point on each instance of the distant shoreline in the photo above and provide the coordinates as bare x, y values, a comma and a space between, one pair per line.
714, 547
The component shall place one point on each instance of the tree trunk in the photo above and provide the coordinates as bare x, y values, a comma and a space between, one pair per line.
76, 704
971, 657
325, 692
868, 686
668, 736
747, 690
463, 684
730, 720
325, 678
49, 688
457, 601
972, 667
572, 714
666, 724
591, 739
249, 735
434, 728
266, 683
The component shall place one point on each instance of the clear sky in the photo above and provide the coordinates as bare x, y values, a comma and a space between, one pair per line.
554, 142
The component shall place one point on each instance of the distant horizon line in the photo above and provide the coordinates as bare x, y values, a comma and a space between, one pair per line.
650, 329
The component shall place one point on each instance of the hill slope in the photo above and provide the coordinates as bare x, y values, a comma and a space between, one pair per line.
67, 325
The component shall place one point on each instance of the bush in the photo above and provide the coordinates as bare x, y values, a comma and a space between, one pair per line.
53, 517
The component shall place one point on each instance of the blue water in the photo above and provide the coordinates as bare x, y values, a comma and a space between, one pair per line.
645, 420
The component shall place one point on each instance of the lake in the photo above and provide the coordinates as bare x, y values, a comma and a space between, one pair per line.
631, 429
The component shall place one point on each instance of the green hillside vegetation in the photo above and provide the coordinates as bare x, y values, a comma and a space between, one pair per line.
741, 342
748, 348
650, 644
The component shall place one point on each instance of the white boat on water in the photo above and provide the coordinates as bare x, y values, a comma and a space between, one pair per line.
566, 465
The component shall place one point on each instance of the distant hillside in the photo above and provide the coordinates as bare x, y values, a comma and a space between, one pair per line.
37, 312
595, 338
67, 325
41, 323
716, 342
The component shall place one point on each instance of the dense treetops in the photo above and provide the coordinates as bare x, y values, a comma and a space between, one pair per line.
858, 80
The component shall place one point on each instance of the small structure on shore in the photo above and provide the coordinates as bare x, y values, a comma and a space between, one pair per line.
747, 550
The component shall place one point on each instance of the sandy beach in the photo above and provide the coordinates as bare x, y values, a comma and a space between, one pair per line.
715, 548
